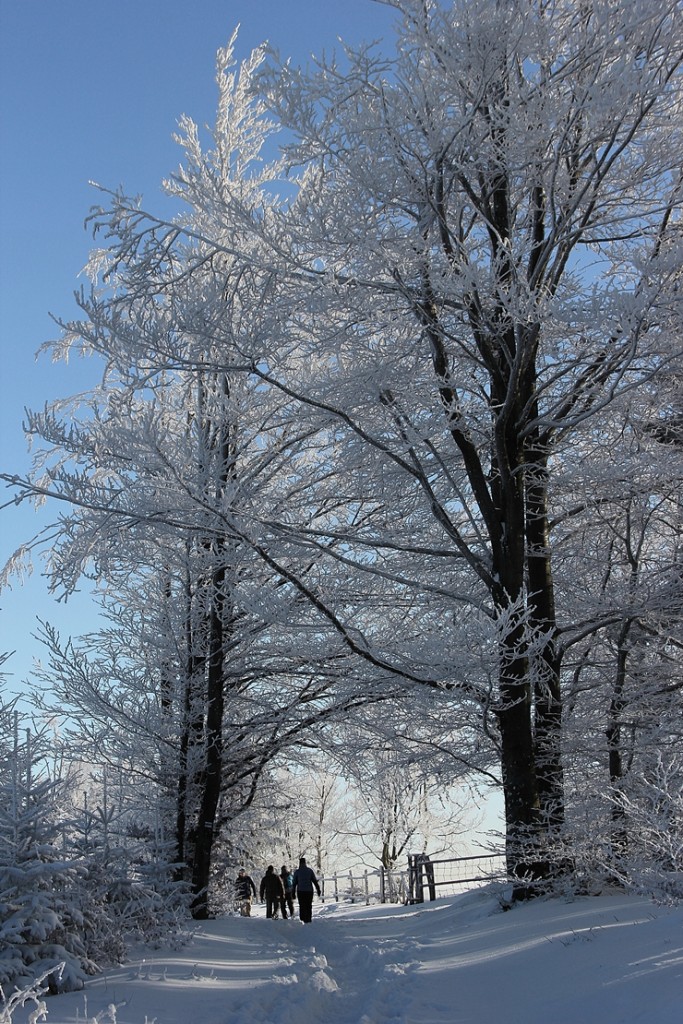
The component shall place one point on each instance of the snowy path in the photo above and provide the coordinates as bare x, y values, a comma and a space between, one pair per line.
613, 960
340, 974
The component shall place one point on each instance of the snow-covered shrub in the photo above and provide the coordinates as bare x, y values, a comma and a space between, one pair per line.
42, 921
133, 903
73, 896
652, 860
30, 996
133, 894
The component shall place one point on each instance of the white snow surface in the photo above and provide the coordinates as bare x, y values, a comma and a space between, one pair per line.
610, 959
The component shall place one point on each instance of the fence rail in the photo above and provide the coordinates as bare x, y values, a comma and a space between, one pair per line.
447, 875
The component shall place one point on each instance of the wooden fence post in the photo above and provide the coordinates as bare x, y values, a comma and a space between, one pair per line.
415, 878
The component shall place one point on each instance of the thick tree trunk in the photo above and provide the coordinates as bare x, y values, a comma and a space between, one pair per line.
531, 709
520, 785
524, 840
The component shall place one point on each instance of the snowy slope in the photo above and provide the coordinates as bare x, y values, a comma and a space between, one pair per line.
611, 959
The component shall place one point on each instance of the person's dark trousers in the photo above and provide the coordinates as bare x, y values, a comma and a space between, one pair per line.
290, 903
305, 906
283, 908
272, 906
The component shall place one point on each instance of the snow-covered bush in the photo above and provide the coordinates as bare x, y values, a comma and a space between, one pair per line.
652, 861
42, 920
72, 895
133, 894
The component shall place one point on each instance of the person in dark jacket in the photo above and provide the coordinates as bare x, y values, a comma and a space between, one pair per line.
288, 884
244, 887
304, 883
272, 890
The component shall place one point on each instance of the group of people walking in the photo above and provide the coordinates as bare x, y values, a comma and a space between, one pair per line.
279, 891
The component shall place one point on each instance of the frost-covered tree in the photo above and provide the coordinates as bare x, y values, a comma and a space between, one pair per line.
402, 810
45, 916
490, 225
211, 664
215, 658
78, 884
624, 683
319, 815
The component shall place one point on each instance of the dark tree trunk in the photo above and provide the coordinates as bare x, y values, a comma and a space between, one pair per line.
523, 823
213, 766
613, 734
520, 786
191, 735
542, 621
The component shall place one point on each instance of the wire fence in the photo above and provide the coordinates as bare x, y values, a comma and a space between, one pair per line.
450, 875
423, 878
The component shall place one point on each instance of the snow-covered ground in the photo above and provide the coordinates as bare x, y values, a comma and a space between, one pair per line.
608, 959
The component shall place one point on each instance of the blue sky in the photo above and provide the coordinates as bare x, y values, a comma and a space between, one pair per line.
92, 91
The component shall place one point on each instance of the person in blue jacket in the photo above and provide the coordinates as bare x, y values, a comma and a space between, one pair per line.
288, 882
304, 884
